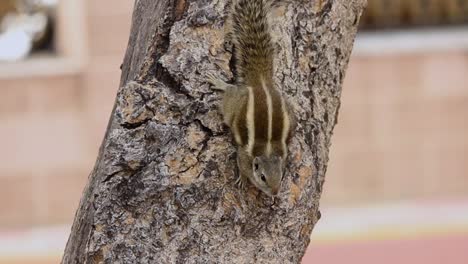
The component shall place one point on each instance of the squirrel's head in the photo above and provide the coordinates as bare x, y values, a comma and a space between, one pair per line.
268, 173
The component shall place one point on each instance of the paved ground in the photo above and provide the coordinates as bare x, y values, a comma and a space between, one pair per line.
450, 249
431, 232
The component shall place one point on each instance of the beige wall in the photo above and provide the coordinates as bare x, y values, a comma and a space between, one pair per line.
51, 125
402, 130
401, 134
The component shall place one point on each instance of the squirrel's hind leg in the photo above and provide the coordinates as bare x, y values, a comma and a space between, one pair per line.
234, 97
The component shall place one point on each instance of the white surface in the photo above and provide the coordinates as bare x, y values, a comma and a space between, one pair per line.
34, 242
398, 220
411, 41
14, 45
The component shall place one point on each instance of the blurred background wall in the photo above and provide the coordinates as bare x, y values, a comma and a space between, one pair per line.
398, 169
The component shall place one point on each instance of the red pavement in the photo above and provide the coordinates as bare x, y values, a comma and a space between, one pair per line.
450, 249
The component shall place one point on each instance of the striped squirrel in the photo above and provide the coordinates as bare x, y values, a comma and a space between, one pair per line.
254, 109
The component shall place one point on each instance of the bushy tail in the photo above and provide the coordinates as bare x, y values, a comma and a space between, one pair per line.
252, 39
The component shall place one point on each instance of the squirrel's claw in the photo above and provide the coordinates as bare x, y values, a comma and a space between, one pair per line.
216, 82
240, 182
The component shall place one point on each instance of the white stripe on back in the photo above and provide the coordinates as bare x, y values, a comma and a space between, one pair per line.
250, 121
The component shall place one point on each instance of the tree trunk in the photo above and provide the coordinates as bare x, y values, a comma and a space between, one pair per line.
163, 187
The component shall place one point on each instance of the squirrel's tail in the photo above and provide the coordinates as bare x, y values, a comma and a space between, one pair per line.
252, 39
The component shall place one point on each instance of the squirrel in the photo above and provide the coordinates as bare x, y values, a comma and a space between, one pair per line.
255, 110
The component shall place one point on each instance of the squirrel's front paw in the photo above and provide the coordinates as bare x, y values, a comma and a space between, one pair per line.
216, 82
241, 182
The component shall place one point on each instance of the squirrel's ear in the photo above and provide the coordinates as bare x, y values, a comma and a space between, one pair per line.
256, 163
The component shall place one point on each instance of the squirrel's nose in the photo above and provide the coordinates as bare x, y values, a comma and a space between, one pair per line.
274, 190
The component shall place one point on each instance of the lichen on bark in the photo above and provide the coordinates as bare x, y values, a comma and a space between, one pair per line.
163, 188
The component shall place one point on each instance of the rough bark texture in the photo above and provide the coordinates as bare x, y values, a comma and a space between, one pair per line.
162, 190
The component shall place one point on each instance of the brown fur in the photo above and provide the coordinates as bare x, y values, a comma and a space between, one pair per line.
254, 108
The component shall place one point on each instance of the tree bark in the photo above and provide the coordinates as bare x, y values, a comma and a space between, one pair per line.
163, 187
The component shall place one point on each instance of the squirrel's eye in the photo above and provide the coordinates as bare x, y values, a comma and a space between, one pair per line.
263, 178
